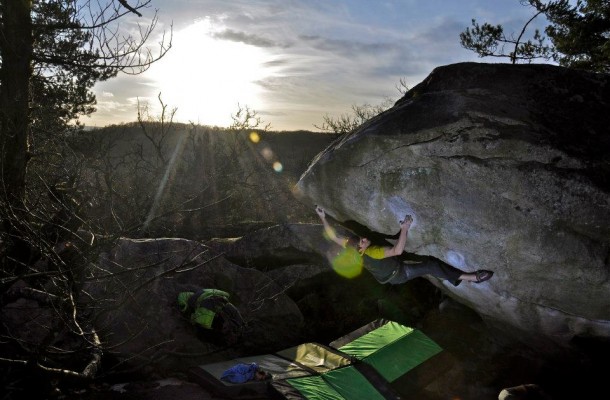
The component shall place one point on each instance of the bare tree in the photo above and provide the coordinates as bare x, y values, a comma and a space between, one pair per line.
52, 53
346, 123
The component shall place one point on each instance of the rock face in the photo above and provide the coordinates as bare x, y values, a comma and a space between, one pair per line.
288, 296
141, 322
503, 167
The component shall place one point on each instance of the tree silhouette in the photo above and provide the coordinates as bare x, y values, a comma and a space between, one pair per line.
579, 33
490, 41
52, 52
360, 113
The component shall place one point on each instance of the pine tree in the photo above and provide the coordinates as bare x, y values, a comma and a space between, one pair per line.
579, 36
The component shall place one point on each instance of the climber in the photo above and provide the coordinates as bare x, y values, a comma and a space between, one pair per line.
215, 318
383, 262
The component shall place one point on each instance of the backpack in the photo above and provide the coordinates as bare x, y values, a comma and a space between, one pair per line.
233, 324
227, 320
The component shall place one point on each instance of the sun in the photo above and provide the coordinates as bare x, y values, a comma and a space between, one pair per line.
207, 78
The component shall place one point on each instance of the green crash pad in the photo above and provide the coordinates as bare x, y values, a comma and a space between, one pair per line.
341, 384
392, 349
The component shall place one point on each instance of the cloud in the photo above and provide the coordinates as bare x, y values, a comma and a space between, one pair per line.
117, 99
251, 39
348, 47
315, 57
276, 63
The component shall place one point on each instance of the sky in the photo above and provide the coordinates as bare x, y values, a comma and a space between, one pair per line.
294, 62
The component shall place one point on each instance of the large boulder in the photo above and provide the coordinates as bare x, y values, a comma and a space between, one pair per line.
135, 285
277, 246
503, 167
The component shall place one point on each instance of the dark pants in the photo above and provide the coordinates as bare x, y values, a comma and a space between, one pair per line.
431, 267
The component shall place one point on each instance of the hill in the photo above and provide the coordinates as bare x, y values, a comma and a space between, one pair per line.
193, 181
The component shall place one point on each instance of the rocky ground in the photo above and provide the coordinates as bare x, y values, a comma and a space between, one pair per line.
487, 359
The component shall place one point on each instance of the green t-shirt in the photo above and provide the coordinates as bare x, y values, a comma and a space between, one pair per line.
349, 262
376, 252
384, 269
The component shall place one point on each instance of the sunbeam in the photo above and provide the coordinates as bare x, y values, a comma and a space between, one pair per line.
164, 181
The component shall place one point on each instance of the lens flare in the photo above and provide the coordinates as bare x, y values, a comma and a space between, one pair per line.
348, 263
278, 167
267, 153
255, 137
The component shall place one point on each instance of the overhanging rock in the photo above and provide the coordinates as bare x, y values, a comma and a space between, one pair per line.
504, 167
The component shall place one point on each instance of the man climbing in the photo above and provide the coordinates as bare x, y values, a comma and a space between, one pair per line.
216, 319
383, 262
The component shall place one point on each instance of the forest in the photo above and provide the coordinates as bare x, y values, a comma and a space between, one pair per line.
67, 194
